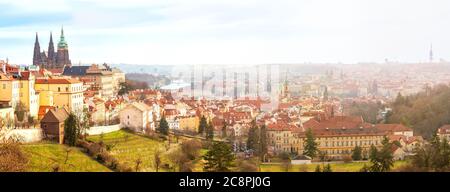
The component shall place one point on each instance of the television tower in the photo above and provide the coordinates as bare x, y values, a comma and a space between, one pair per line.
431, 53
235, 86
192, 83
224, 82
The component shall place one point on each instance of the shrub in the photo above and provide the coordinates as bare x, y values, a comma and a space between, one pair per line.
191, 148
347, 158
124, 168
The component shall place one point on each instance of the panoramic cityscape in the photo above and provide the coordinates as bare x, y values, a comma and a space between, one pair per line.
60, 114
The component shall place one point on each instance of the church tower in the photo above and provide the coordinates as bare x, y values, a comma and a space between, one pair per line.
62, 56
51, 56
37, 52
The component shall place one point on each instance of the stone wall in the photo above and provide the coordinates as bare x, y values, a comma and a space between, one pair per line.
103, 129
25, 135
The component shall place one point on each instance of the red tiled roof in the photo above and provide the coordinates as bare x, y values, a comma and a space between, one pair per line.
336, 122
445, 129
57, 81
281, 126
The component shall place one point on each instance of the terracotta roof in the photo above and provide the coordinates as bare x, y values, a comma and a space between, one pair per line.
281, 126
44, 109
336, 122
445, 129
55, 115
4, 77
57, 81
141, 106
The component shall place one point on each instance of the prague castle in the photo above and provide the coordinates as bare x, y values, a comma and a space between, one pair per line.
52, 59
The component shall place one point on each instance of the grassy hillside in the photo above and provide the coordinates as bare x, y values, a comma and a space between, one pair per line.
129, 147
44, 156
336, 167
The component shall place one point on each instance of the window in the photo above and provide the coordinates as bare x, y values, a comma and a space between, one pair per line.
4, 86
59, 89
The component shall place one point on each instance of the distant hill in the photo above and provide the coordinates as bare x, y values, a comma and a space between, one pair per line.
425, 112
149, 69
152, 81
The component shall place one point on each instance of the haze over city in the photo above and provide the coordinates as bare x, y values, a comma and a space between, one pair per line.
229, 32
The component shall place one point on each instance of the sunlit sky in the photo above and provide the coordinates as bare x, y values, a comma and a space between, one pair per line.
229, 31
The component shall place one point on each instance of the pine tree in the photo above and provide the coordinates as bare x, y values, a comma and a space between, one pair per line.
310, 144
382, 160
224, 129
219, 158
203, 125
253, 137
357, 153
327, 168
71, 130
163, 126
210, 131
263, 141
318, 169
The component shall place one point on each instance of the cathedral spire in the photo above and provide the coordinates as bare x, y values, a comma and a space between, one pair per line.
62, 55
62, 41
51, 57
37, 52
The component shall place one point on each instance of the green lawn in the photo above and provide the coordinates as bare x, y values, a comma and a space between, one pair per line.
43, 156
129, 147
336, 167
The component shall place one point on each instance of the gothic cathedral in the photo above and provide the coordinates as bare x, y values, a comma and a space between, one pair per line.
52, 59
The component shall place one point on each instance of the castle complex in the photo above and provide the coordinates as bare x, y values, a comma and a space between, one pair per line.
52, 59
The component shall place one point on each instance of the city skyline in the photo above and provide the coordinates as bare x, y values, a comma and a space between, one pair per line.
229, 32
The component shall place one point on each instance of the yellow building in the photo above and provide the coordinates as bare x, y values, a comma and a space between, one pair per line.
336, 136
9, 89
336, 143
64, 93
189, 123
100, 78
27, 93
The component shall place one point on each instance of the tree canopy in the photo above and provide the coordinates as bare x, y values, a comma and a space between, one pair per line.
424, 112
219, 158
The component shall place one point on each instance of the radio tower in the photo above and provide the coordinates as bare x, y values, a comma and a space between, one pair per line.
203, 79
224, 82
235, 85
192, 83
257, 81
431, 53
247, 84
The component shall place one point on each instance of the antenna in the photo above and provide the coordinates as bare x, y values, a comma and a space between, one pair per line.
431, 53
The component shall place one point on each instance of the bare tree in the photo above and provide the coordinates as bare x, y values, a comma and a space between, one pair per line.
157, 159
68, 150
138, 163
12, 159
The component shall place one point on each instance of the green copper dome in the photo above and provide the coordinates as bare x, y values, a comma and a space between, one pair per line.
62, 42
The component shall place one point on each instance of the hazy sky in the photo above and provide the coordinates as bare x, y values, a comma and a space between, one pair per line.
229, 31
